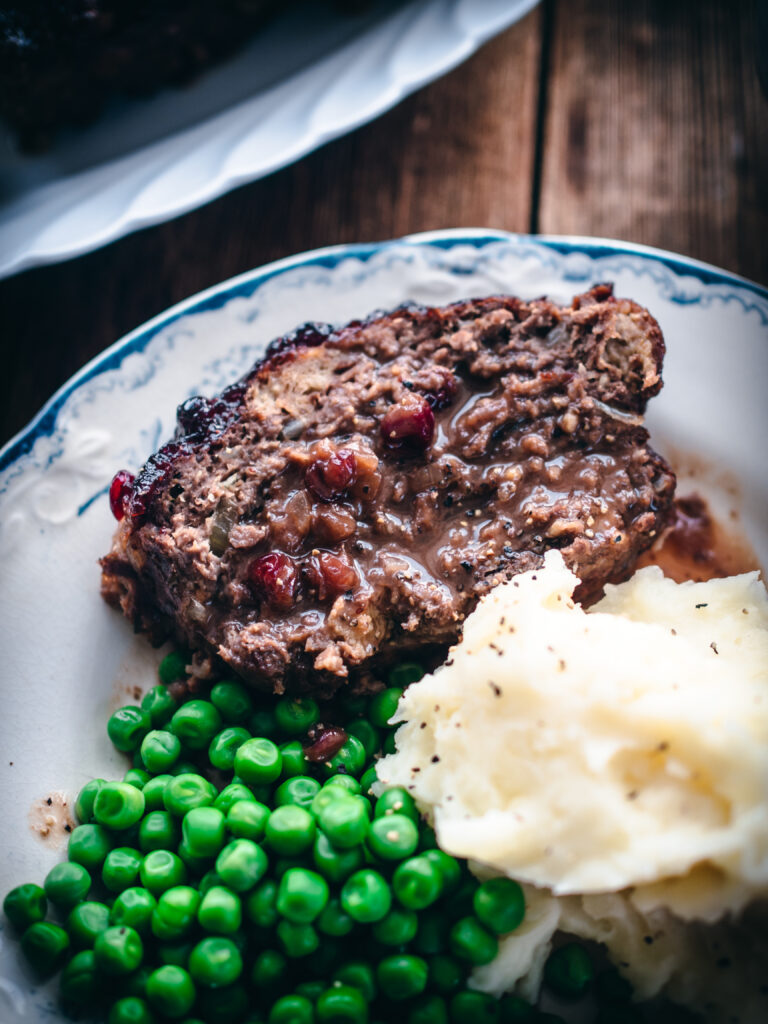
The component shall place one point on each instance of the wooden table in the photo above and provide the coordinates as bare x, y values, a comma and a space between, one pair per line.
641, 120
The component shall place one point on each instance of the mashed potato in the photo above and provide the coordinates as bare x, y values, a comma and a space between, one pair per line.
620, 749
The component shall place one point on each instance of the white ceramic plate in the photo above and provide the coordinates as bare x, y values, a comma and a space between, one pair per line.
310, 76
69, 660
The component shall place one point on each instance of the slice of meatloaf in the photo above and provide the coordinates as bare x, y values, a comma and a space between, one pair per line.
357, 491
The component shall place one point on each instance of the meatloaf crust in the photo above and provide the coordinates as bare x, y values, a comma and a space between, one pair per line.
360, 488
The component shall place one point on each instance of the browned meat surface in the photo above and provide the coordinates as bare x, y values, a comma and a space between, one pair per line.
358, 491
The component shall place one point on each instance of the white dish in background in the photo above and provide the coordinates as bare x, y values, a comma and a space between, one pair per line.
307, 78
69, 660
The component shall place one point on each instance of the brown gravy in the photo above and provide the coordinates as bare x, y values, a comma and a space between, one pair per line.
697, 547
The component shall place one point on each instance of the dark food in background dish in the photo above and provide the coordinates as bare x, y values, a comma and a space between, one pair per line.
357, 492
59, 61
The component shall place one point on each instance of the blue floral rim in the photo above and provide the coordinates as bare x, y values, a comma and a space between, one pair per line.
244, 285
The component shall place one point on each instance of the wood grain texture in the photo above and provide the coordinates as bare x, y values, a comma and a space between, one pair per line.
458, 153
640, 120
656, 129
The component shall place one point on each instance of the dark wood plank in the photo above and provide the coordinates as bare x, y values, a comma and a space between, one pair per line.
656, 128
458, 153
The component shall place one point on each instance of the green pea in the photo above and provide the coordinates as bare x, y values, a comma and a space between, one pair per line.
405, 674
160, 750
463, 898
170, 991
89, 845
311, 989
402, 976
449, 868
367, 780
446, 974
393, 837
499, 904
396, 801
224, 746
172, 667
568, 972
366, 897
154, 791
294, 761
346, 782
159, 830
121, 868
302, 895
349, 759
137, 777
161, 870
118, 950
324, 797
84, 801
230, 795
334, 920
342, 1004
290, 830
429, 1010
292, 1010
45, 945
432, 934
81, 984
130, 1010
194, 865
471, 941
417, 883
118, 805
258, 762
233, 702
25, 905
345, 821
203, 831
398, 928
133, 909
359, 975
159, 705
175, 953
241, 864
85, 921
261, 905
383, 705
368, 736
300, 790
186, 791
175, 913
127, 727
247, 819
263, 723
515, 1010
196, 723
270, 969
183, 768
295, 715
220, 911
215, 962
335, 865
66, 884
389, 746
298, 940
471, 1007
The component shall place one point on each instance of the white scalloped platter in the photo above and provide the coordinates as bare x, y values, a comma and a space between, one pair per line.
310, 75
69, 660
